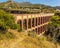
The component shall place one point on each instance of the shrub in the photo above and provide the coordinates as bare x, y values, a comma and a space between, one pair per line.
53, 29
7, 35
32, 34
7, 21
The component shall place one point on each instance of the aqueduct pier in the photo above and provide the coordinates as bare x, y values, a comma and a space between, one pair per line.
33, 22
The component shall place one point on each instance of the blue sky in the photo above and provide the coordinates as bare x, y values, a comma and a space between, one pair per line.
47, 2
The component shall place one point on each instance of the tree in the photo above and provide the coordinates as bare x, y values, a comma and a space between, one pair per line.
10, 0
54, 27
7, 21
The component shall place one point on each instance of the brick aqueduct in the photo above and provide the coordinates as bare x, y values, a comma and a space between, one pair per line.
33, 22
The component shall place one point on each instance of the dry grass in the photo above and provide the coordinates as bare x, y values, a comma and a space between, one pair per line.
24, 41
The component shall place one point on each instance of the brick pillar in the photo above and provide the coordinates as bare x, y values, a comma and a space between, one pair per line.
39, 30
31, 21
34, 22
37, 24
42, 28
48, 18
22, 22
45, 19
42, 20
37, 21
27, 22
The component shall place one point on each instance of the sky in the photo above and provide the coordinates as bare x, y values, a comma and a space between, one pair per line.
46, 2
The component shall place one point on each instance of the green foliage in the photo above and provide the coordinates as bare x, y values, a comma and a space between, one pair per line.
7, 21
57, 13
55, 20
53, 30
32, 34
7, 35
26, 7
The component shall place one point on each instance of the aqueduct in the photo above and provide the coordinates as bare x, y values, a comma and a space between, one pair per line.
33, 22
29, 21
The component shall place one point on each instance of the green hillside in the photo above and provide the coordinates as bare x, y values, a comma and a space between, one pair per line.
11, 35
11, 38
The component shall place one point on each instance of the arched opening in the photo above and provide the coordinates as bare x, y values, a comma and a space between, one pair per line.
39, 21
36, 21
20, 23
25, 24
32, 22
29, 23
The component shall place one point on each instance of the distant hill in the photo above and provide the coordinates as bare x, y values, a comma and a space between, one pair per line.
57, 7
27, 6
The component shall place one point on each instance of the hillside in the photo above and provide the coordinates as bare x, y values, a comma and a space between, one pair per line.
26, 7
57, 7
11, 38
23, 40
11, 35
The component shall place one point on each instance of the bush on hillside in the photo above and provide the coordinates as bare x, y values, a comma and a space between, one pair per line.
53, 30
7, 35
57, 13
7, 22
32, 34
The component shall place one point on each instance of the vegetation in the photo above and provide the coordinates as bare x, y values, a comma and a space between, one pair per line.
6, 22
26, 7
7, 35
30, 39
57, 7
22, 40
53, 31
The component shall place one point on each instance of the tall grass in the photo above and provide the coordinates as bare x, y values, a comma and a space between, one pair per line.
7, 35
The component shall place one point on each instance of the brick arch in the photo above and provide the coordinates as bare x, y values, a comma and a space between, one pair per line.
33, 22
